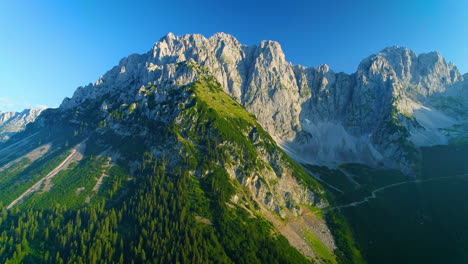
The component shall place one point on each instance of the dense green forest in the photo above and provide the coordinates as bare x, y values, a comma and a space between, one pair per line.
158, 222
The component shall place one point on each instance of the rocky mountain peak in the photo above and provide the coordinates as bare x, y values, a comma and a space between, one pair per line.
419, 75
300, 107
223, 37
14, 122
323, 68
271, 50
5, 116
168, 36
391, 62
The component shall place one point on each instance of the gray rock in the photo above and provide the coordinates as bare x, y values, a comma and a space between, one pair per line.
14, 122
375, 116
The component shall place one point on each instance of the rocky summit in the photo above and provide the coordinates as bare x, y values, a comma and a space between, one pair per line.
14, 122
395, 102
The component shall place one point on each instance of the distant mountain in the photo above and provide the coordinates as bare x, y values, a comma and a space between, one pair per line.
394, 102
14, 122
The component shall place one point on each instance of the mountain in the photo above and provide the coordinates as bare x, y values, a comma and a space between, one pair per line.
394, 102
209, 151
14, 122
171, 167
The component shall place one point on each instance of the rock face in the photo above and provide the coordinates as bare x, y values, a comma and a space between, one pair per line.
394, 102
13, 122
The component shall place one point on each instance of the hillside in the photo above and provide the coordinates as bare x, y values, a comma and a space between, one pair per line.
203, 173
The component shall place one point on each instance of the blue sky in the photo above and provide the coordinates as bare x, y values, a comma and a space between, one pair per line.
50, 47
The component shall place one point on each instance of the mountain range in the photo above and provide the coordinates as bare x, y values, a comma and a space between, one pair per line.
13, 122
202, 148
394, 102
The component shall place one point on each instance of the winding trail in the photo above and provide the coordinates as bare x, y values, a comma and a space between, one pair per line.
76, 154
374, 192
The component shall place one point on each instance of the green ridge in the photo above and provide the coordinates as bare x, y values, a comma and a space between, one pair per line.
150, 215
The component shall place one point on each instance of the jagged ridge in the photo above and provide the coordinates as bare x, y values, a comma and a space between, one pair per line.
14, 122
317, 115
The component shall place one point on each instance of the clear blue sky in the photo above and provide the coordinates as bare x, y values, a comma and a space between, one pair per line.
50, 47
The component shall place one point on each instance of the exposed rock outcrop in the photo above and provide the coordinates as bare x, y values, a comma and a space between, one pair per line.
376, 116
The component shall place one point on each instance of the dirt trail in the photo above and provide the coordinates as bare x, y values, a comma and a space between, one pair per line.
374, 192
32, 156
75, 155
